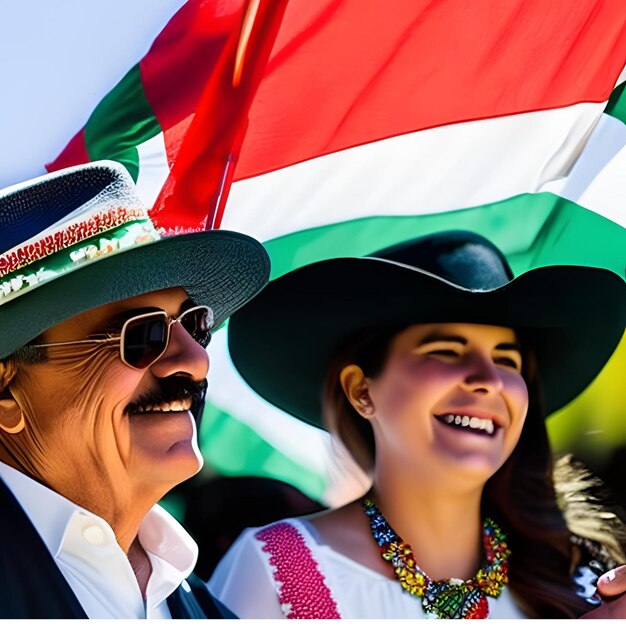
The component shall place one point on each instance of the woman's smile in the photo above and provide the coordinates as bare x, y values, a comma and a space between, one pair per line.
468, 423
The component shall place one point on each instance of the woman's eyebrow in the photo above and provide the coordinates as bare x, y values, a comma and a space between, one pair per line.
509, 346
435, 337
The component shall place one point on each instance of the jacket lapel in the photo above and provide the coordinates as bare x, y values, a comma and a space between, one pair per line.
32, 585
193, 601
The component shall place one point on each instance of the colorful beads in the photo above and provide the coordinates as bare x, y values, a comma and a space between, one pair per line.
303, 593
466, 599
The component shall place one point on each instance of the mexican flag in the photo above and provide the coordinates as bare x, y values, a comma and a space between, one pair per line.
339, 127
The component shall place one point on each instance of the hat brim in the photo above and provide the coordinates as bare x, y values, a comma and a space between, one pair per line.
221, 269
283, 341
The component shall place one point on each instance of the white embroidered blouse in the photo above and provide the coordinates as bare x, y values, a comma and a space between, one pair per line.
244, 582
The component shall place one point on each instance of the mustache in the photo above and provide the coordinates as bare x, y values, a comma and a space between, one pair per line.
169, 390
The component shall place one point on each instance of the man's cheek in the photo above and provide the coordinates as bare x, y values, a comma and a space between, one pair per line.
122, 385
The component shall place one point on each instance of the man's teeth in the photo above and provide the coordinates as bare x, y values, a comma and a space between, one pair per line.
167, 407
474, 423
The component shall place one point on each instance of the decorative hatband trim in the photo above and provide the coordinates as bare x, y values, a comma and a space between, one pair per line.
118, 239
24, 255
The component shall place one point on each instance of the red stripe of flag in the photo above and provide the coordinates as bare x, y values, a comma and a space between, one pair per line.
344, 73
200, 175
75, 153
182, 60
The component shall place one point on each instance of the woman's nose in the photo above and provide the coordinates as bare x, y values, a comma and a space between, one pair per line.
482, 375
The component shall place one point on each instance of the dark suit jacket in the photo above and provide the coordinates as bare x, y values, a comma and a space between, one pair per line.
32, 586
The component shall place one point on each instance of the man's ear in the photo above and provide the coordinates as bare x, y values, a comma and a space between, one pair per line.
355, 386
11, 416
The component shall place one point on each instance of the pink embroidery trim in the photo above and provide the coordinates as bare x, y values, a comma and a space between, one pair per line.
75, 233
303, 592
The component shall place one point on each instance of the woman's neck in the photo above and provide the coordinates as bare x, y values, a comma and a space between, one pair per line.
443, 528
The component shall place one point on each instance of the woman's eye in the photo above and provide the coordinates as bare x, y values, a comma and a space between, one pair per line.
451, 353
507, 362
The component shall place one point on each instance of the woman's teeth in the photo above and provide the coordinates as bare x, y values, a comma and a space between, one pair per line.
167, 407
466, 421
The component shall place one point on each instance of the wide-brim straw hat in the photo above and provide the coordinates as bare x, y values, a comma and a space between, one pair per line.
80, 238
283, 342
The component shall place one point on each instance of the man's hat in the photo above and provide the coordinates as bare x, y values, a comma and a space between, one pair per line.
283, 341
81, 238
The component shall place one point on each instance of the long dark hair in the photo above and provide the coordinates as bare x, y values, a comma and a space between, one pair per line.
529, 494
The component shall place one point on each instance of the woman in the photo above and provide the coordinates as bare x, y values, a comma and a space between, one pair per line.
437, 369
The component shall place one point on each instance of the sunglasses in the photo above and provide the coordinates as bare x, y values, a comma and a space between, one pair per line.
144, 338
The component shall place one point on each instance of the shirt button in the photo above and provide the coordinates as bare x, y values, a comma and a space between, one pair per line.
93, 535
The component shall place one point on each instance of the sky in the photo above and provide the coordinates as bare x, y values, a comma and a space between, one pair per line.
57, 60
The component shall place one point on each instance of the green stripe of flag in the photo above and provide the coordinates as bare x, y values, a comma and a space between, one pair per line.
553, 231
616, 105
235, 449
123, 120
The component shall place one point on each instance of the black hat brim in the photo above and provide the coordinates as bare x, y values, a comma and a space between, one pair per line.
282, 342
218, 268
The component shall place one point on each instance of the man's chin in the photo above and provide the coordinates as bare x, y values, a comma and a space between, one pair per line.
176, 467
186, 456
170, 464
183, 458
164, 437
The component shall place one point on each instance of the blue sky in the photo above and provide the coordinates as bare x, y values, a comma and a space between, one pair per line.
57, 59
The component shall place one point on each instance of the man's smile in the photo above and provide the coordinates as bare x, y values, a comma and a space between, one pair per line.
166, 407
173, 394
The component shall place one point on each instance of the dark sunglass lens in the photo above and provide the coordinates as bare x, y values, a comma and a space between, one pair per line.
196, 323
145, 339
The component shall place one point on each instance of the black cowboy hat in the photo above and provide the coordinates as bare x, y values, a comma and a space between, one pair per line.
80, 238
282, 342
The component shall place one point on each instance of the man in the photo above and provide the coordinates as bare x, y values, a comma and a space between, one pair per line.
104, 326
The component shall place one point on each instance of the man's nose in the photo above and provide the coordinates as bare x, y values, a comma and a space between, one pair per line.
184, 356
482, 375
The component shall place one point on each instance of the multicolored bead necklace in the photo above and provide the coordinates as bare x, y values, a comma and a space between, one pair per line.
445, 599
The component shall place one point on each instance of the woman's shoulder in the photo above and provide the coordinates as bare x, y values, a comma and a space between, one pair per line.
271, 562
338, 533
255, 545
326, 528
243, 579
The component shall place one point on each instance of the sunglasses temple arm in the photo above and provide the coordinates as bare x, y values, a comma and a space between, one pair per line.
72, 343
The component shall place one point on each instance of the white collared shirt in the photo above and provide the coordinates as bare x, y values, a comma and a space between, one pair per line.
86, 551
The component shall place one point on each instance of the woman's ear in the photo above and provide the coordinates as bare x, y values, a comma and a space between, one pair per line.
355, 386
11, 416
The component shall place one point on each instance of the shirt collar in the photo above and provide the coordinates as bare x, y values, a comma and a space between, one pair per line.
50, 512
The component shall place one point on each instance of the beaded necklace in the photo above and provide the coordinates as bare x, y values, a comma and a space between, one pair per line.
445, 599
